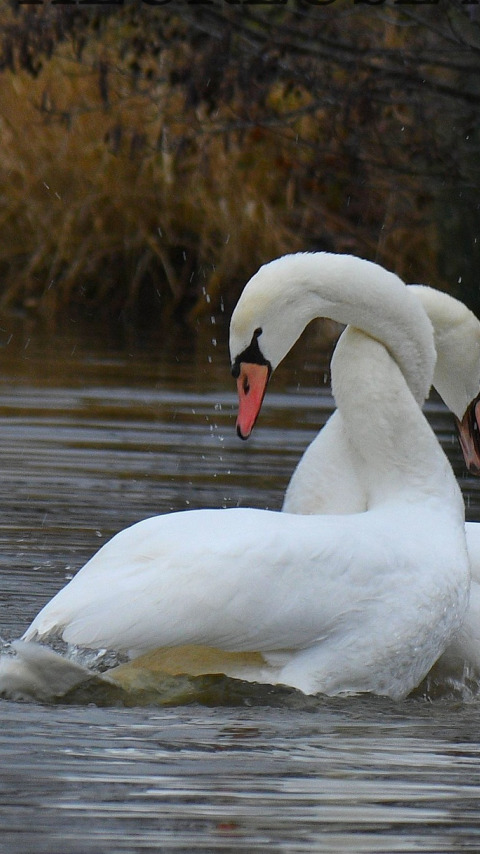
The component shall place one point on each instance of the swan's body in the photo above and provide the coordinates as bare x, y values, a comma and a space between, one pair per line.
333, 604
327, 479
291, 609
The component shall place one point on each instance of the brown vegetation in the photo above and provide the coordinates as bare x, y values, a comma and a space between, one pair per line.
152, 159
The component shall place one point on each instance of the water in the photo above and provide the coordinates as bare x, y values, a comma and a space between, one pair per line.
93, 440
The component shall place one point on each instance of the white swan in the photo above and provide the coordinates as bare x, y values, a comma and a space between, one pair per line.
333, 604
326, 478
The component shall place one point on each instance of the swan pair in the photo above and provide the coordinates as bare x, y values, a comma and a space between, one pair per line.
337, 604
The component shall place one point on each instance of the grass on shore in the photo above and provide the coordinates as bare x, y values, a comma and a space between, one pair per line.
123, 200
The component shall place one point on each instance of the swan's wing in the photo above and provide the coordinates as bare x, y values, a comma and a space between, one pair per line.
236, 579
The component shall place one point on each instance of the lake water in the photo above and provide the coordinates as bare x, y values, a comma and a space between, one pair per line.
93, 439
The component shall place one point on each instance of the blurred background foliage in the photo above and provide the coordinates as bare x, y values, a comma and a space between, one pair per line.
153, 156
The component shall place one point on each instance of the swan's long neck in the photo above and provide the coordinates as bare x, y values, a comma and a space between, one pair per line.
398, 452
326, 479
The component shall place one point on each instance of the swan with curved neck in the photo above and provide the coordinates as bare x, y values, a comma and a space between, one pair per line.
332, 604
327, 480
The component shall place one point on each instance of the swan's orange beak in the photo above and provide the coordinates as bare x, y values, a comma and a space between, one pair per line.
251, 385
469, 436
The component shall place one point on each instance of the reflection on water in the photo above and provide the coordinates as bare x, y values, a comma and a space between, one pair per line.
362, 776
93, 441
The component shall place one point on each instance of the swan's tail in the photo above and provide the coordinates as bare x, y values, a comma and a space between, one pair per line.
38, 673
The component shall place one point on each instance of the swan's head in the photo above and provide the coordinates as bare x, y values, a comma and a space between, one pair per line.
252, 371
457, 370
469, 436
263, 329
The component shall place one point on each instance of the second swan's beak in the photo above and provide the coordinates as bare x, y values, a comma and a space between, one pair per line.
469, 435
251, 385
